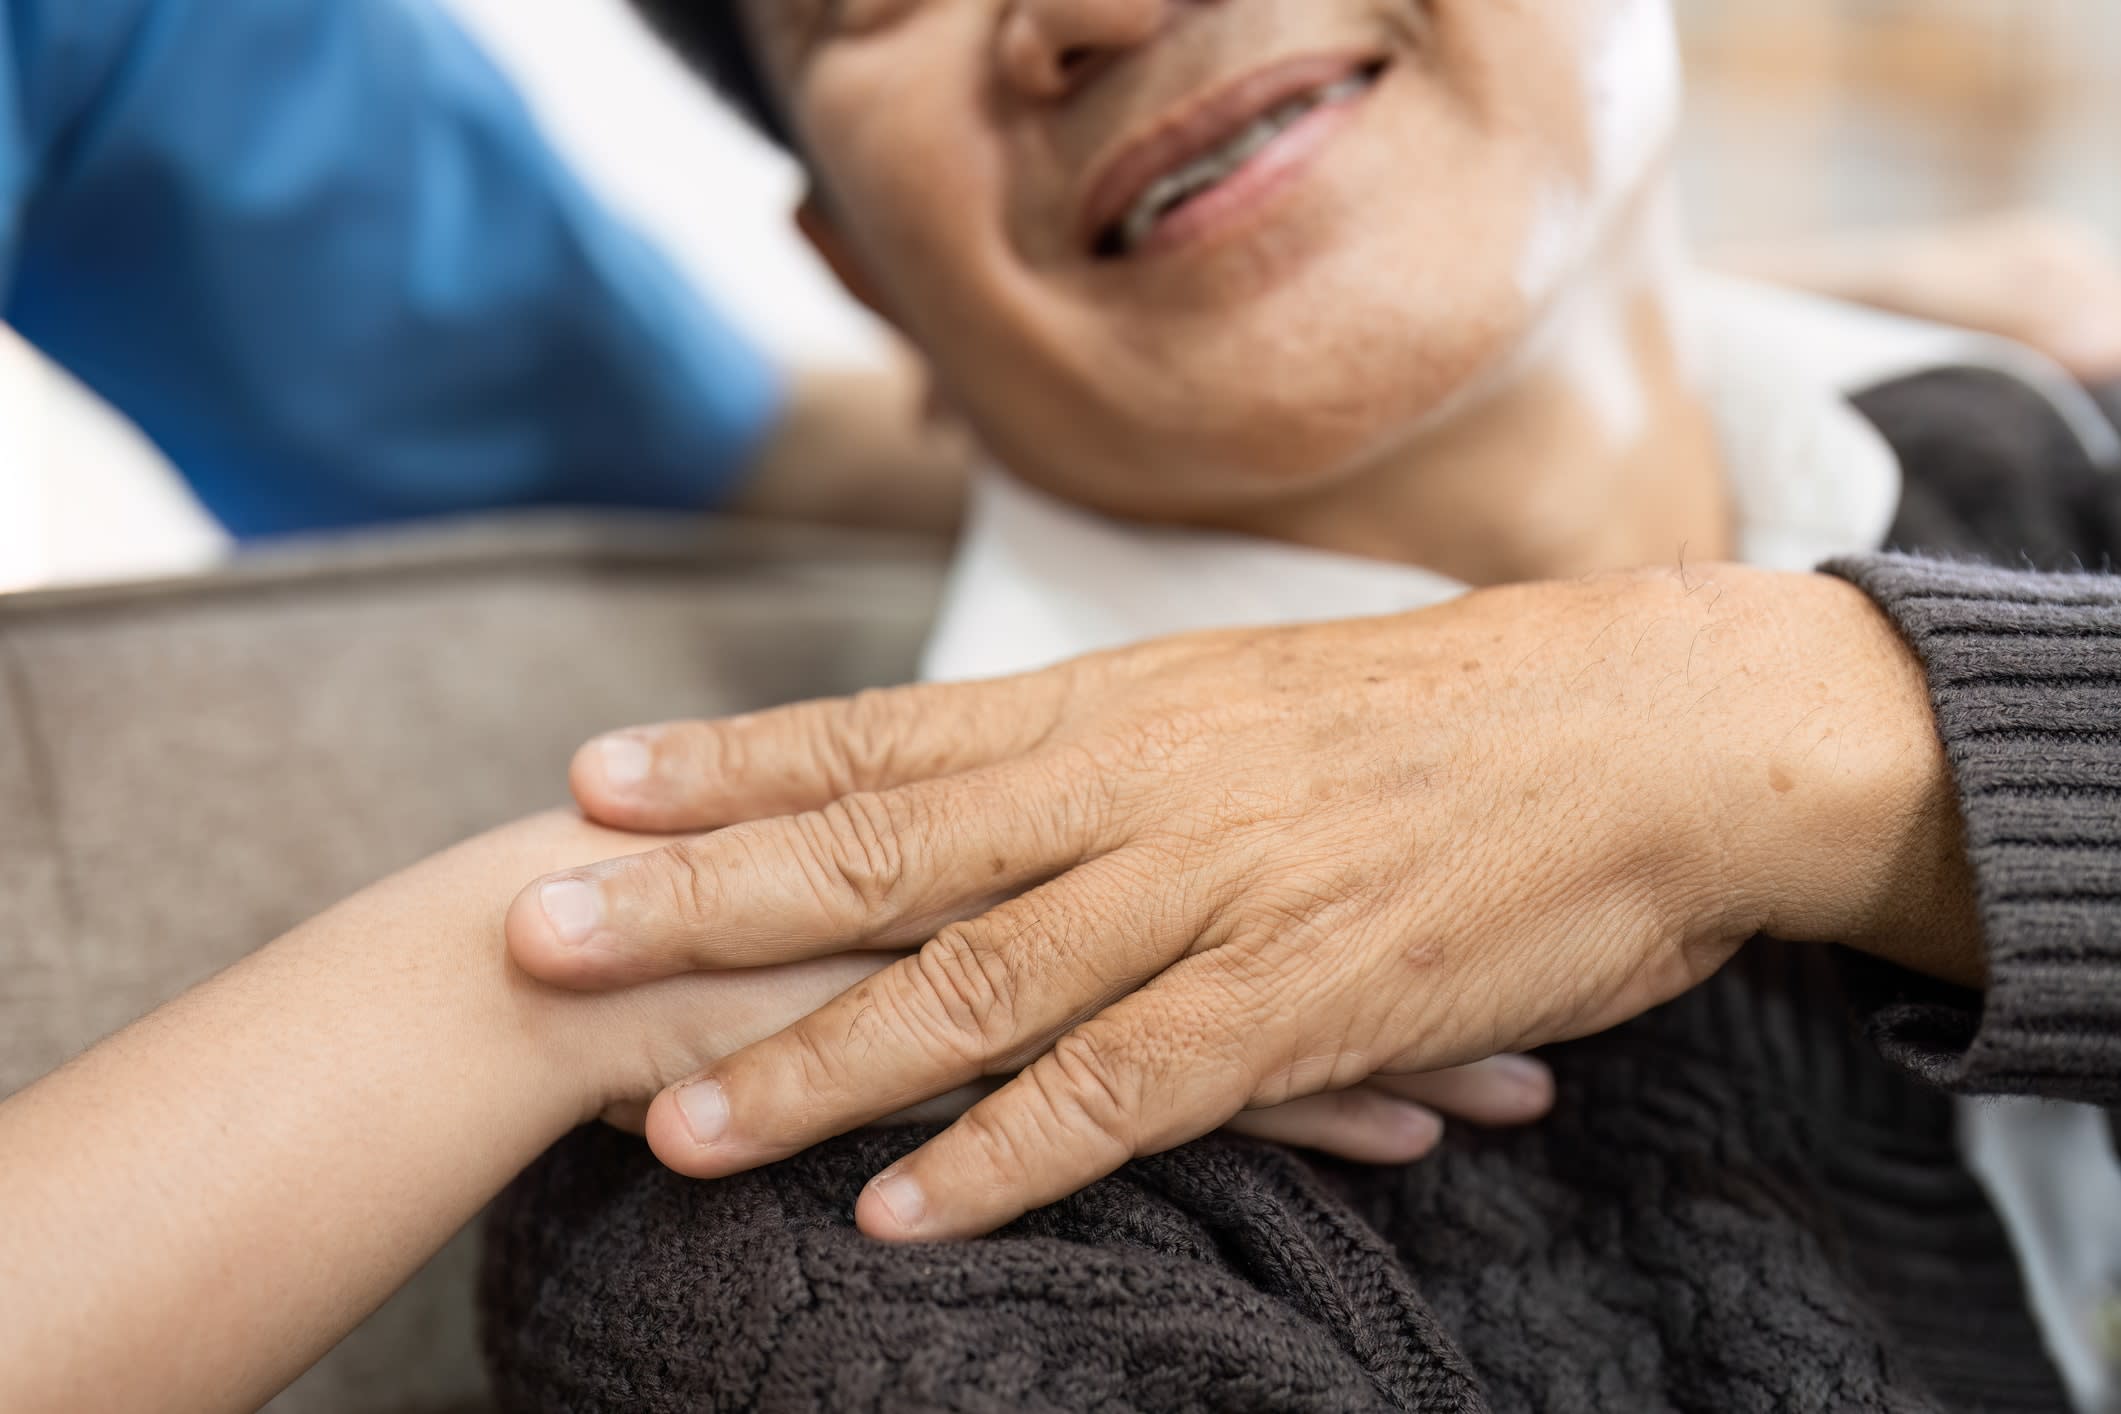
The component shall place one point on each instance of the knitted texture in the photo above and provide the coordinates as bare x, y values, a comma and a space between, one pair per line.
1219, 1277
1735, 1206
1687, 1232
2025, 671
2025, 674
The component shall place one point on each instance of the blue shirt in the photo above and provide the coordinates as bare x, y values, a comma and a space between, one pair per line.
319, 252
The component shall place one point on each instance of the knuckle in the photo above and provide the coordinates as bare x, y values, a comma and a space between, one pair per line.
1172, 739
1005, 1143
862, 737
1091, 1090
1277, 915
1310, 900
1256, 983
818, 1066
1187, 882
691, 881
716, 751
1085, 788
858, 849
967, 993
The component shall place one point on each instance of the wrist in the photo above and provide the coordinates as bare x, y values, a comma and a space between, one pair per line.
1851, 779
623, 1047
577, 1052
509, 1043
540, 1058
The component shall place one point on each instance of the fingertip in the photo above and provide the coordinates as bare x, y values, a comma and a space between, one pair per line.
1501, 1090
1387, 1132
1360, 1126
549, 925
531, 942
611, 778
893, 1207
672, 1141
873, 1221
1420, 1130
1525, 1089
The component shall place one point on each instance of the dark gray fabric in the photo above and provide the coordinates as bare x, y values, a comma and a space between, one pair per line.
1686, 1233
2025, 673
1735, 1206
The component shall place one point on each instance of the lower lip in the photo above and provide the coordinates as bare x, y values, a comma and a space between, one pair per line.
1241, 196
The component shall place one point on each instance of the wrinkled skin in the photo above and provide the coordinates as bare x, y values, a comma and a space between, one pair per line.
1189, 878
1159, 889
1299, 358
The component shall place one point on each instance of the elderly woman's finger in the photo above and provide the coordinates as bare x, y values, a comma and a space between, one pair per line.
1154, 1070
979, 999
873, 869
704, 774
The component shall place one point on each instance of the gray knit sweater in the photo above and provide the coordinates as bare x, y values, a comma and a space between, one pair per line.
1738, 1204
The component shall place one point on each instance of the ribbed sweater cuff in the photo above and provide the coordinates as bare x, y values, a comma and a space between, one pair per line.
2025, 675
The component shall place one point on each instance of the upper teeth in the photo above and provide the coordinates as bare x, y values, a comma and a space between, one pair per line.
1210, 168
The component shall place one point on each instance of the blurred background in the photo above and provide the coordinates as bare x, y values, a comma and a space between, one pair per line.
1808, 116
1819, 115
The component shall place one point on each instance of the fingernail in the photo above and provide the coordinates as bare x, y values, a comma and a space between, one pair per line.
574, 908
1523, 1072
902, 1198
705, 1108
1421, 1127
626, 760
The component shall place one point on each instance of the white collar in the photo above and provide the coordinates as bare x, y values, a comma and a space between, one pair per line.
1038, 580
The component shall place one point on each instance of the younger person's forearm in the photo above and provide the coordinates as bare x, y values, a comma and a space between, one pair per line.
203, 1204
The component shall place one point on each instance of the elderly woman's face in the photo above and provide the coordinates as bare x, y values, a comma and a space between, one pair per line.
1171, 254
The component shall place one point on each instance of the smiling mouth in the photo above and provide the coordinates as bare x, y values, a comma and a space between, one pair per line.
1189, 163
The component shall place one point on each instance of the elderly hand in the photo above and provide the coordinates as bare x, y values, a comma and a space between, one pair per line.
1166, 885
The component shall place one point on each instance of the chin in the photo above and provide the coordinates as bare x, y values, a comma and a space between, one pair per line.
1299, 411
1270, 459
1200, 474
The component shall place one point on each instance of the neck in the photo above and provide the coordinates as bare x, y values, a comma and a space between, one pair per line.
1594, 453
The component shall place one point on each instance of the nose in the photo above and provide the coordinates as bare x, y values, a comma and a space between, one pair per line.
1049, 48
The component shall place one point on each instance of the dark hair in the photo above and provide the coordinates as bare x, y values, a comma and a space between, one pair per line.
710, 35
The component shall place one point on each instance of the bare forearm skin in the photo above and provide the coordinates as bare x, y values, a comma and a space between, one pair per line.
200, 1206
